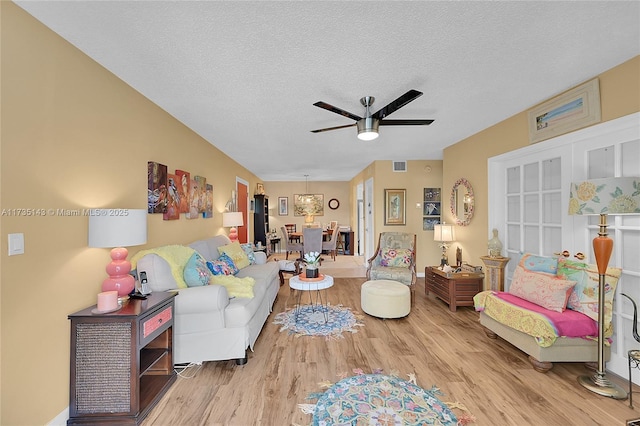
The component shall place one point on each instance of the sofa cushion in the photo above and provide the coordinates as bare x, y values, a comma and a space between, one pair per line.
544, 290
208, 248
235, 252
584, 297
196, 273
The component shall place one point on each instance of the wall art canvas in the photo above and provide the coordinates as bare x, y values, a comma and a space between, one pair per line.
173, 198
156, 187
428, 223
208, 209
194, 199
573, 110
395, 206
306, 204
283, 206
183, 189
202, 193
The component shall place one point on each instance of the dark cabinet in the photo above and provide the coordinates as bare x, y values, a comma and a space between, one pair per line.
261, 219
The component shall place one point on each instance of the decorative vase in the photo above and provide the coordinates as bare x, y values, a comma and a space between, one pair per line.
495, 245
312, 272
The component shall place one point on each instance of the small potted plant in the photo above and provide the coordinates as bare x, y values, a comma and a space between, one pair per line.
312, 260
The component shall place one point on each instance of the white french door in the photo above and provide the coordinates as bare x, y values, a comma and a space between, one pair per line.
528, 204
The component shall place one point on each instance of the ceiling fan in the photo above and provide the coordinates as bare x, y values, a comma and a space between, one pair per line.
368, 125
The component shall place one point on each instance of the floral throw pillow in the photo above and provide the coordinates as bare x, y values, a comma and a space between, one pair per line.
584, 297
544, 290
218, 267
196, 273
233, 269
547, 265
248, 250
395, 257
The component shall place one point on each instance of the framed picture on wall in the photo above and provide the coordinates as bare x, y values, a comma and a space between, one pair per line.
395, 206
283, 206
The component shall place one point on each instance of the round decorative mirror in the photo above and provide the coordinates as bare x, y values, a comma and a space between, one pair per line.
462, 201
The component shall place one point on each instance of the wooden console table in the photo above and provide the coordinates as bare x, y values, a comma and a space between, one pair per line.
495, 269
121, 362
455, 289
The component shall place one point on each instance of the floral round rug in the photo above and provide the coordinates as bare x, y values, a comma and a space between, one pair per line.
328, 321
377, 399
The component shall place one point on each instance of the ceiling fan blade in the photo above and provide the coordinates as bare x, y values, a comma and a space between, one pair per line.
337, 110
397, 104
405, 122
333, 128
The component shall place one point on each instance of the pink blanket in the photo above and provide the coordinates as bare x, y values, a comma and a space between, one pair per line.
567, 324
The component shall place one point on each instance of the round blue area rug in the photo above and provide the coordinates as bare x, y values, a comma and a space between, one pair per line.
376, 399
310, 321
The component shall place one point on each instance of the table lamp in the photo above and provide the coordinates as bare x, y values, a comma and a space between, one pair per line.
444, 234
232, 219
619, 195
308, 220
115, 229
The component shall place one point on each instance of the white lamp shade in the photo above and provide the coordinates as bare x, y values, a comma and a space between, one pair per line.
619, 195
443, 233
109, 228
231, 219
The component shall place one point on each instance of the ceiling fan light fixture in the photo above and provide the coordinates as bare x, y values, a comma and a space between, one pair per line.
368, 128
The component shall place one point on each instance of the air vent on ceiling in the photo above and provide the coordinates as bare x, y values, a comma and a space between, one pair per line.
399, 166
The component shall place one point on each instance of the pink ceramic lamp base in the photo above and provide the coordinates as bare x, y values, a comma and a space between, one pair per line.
233, 234
118, 270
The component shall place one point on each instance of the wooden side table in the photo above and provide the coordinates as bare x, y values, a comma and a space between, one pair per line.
455, 289
495, 269
121, 362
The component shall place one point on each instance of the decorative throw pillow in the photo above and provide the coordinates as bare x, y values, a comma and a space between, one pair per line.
235, 252
196, 273
531, 262
248, 250
233, 269
218, 267
544, 290
584, 297
395, 257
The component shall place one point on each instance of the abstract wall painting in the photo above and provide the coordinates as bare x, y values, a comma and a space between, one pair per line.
156, 187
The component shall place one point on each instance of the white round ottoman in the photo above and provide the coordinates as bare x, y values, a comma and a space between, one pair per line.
385, 299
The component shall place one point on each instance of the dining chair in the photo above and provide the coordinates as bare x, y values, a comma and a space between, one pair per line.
288, 245
331, 245
311, 240
291, 227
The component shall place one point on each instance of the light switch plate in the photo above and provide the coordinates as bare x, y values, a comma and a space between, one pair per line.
16, 244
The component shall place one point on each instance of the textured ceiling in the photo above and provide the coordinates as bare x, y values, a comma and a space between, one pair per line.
245, 75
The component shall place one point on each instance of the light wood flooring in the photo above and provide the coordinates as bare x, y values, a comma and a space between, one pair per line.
491, 378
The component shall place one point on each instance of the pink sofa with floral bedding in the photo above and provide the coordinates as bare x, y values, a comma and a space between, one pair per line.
550, 311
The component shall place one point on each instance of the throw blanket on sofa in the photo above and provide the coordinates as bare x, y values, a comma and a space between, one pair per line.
544, 325
236, 287
176, 256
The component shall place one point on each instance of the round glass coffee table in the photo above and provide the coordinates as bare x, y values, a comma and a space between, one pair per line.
301, 283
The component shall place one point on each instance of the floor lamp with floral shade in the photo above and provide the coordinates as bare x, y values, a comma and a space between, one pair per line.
616, 196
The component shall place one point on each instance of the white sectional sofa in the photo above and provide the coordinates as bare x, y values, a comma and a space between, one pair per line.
209, 325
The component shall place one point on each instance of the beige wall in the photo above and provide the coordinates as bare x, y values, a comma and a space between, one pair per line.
74, 136
420, 174
619, 88
337, 190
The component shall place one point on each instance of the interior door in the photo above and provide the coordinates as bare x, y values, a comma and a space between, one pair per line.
360, 216
242, 191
